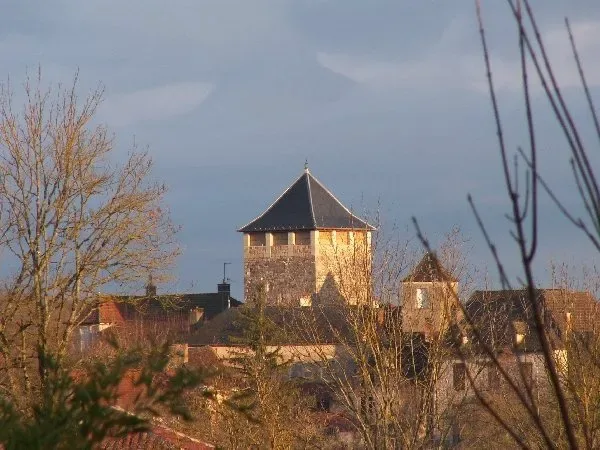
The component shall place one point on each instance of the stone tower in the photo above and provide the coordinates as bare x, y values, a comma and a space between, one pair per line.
429, 300
307, 247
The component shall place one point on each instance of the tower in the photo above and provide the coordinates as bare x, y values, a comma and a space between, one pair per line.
429, 298
306, 247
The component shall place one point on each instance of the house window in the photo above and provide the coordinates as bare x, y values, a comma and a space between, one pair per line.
303, 238
280, 239
306, 300
459, 375
493, 376
422, 298
257, 239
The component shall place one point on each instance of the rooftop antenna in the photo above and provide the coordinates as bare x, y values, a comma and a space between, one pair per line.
225, 279
225, 286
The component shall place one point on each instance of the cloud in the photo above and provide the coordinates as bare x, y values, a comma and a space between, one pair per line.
154, 104
446, 66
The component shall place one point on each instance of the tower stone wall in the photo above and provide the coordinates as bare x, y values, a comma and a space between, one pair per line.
286, 270
321, 265
306, 247
343, 266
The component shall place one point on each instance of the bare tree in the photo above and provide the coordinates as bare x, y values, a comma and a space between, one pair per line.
73, 222
559, 417
381, 374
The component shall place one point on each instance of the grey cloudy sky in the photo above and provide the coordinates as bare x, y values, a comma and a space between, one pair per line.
386, 98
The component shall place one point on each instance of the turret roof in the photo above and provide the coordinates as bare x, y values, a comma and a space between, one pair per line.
306, 205
429, 269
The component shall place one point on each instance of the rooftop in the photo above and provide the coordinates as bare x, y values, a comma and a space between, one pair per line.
429, 269
306, 205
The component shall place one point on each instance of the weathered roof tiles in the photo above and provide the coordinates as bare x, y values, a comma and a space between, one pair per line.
306, 205
429, 269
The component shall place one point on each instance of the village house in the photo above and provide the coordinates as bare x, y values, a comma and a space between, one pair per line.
152, 315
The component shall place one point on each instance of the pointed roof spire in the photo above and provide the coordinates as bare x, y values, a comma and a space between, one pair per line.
306, 166
429, 269
306, 205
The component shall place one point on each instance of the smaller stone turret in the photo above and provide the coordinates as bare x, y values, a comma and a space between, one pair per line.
429, 298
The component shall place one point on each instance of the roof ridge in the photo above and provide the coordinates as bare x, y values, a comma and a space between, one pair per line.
273, 204
310, 200
339, 203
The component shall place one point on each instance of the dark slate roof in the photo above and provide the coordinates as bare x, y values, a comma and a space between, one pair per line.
131, 307
499, 315
306, 205
429, 269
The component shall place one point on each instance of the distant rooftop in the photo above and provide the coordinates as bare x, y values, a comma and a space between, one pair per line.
306, 205
429, 269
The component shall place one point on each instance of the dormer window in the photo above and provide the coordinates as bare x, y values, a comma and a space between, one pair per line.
422, 298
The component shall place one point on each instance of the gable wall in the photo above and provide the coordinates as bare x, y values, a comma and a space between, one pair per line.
437, 316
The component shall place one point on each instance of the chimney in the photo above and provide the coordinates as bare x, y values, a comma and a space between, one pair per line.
150, 288
224, 288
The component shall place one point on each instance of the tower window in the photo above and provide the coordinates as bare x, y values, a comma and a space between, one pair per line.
280, 239
302, 237
257, 239
422, 298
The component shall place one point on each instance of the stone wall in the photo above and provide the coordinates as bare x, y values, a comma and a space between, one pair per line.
332, 264
344, 263
289, 278
437, 316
